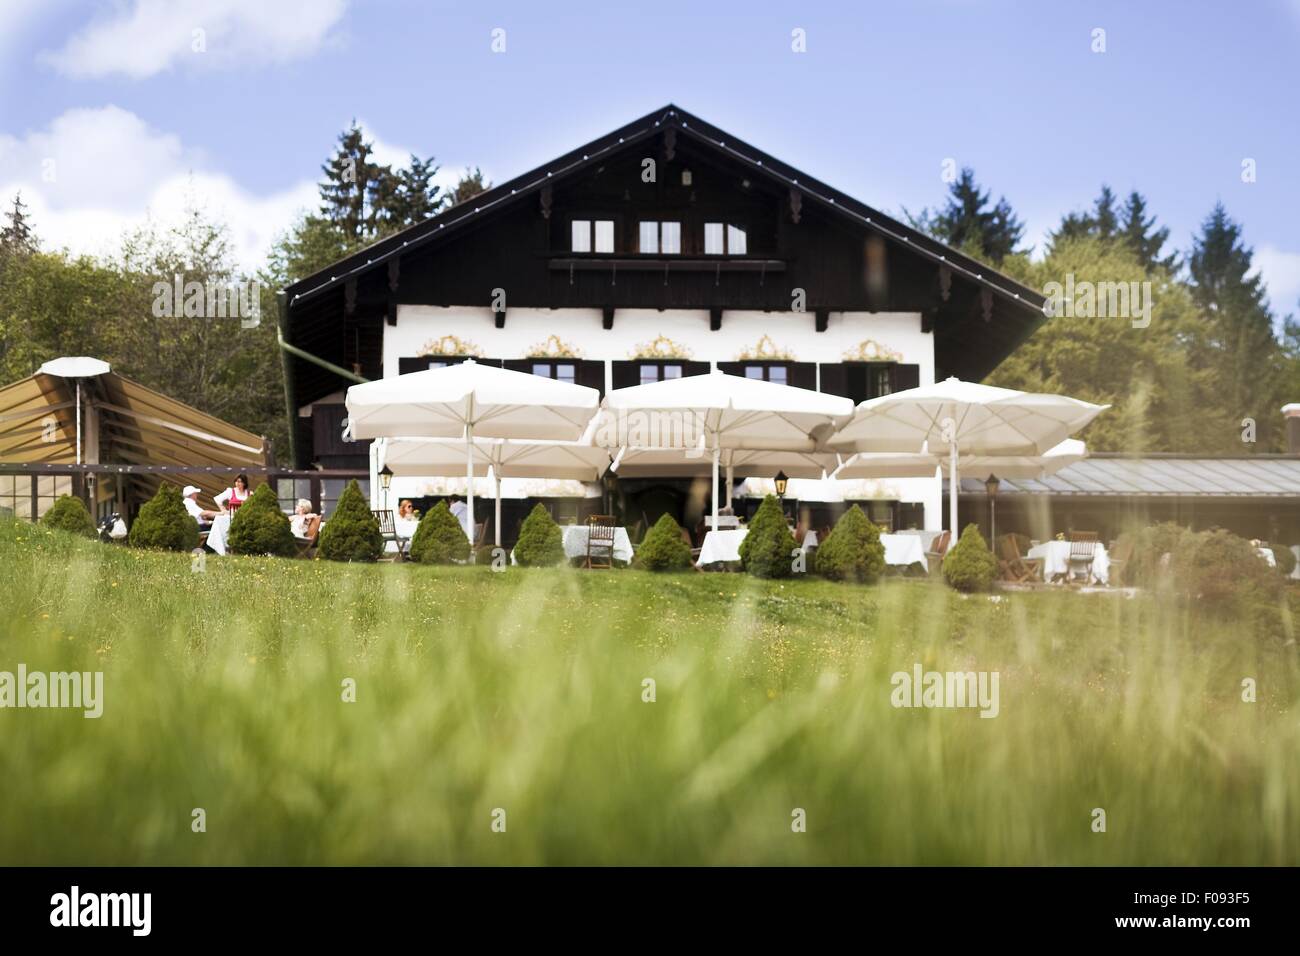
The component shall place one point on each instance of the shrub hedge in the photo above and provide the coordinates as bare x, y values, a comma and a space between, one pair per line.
351, 533
163, 523
969, 565
439, 539
852, 551
663, 548
767, 550
69, 514
541, 543
260, 527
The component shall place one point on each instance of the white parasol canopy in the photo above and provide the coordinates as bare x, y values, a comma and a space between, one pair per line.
963, 418
468, 400
714, 412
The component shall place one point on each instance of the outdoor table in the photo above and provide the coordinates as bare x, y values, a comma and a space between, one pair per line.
405, 528
927, 537
1267, 555
1056, 560
809, 540
721, 547
220, 529
575, 542
1295, 572
903, 550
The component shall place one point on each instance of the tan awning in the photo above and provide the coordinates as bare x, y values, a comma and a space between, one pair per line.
122, 422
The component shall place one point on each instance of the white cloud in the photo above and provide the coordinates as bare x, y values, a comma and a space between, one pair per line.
1281, 272
111, 171
153, 36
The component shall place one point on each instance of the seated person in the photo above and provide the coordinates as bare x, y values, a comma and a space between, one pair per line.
406, 520
305, 525
204, 518
460, 511
235, 495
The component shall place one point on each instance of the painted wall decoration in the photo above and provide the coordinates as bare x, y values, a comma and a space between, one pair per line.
450, 345
554, 347
869, 350
765, 350
660, 347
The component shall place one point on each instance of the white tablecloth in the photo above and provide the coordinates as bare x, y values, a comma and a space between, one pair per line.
1267, 555
575, 542
927, 537
902, 550
1056, 560
809, 540
405, 528
1295, 573
721, 546
217, 536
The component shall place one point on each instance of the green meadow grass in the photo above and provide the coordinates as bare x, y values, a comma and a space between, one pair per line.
523, 691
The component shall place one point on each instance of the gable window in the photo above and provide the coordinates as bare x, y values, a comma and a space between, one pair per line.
723, 239
779, 374
593, 235
560, 371
658, 371
660, 237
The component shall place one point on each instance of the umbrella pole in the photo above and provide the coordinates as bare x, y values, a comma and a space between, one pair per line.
731, 483
715, 488
952, 490
469, 479
497, 518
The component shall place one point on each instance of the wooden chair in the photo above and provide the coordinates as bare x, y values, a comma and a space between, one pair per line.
600, 542
1083, 551
938, 548
307, 543
1013, 566
388, 529
480, 539
1120, 557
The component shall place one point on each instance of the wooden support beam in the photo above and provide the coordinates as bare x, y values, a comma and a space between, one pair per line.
607, 318
500, 317
715, 320
822, 318
929, 318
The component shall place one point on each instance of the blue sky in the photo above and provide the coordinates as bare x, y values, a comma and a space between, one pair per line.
135, 120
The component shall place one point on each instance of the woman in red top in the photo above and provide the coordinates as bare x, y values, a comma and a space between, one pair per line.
230, 499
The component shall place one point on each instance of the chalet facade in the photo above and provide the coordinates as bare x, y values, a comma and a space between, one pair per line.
662, 249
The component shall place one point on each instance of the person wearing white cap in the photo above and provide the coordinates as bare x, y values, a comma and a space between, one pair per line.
197, 512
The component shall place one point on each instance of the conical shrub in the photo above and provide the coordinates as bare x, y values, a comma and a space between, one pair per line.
351, 533
541, 543
163, 523
852, 551
260, 527
439, 539
970, 565
767, 551
69, 514
663, 548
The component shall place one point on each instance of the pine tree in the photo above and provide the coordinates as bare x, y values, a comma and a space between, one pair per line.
349, 186
1232, 303
969, 223
471, 184
1102, 222
1142, 237
18, 237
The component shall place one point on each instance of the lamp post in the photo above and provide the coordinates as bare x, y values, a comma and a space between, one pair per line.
991, 486
782, 482
385, 479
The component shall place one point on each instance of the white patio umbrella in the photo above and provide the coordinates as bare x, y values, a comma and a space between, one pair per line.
738, 463
923, 464
955, 418
506, 458
468, 400
714, 412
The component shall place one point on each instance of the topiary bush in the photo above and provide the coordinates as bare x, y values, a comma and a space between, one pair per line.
69, 514
351, 533
766, 550
663, 549
439, 539
970, 566
163, 523
1225, 572
541, 542
852, 551
260, 527
1149, 565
